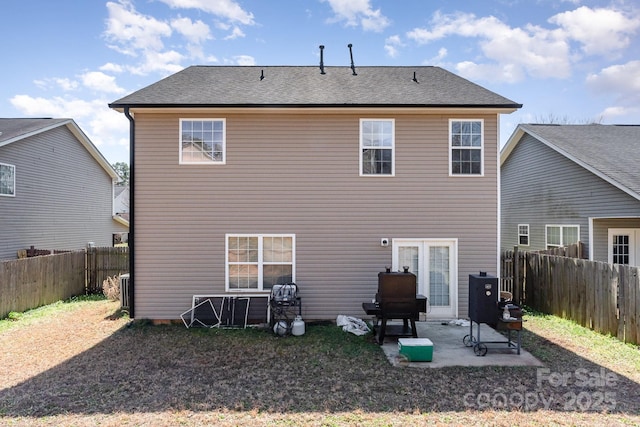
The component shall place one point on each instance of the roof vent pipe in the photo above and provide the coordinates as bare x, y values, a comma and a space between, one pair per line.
261, 75
322, 60
415, 79
353, 67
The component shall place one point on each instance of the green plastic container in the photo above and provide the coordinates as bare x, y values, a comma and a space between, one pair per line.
416, 349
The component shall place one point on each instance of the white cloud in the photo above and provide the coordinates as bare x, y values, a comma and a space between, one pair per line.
610, 114
391, 45
101, 82
622, 83
227, 9
599, 31
65, 84
111, 67
130, 32
622, 80
222, 25
532, 50
442, 53
516, 52
105, 127
195, 32
56, 106
244, 60
358, 12
237, 32
161, 62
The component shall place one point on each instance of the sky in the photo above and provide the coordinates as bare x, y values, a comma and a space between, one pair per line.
566, 61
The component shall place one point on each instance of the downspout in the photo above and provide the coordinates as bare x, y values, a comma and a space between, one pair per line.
132, 208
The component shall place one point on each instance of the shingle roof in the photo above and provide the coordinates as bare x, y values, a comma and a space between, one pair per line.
11, 129
305, 86
613, 151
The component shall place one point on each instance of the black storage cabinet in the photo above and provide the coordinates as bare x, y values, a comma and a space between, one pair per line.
483, 298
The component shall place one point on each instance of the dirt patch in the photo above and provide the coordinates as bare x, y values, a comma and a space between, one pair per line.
87, 367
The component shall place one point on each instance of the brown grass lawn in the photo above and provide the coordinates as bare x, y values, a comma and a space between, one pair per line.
85, 366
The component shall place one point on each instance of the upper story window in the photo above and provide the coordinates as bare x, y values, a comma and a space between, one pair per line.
523, 234
466, 143
202, 141
377, 142
562, 235
7, 180
256, 262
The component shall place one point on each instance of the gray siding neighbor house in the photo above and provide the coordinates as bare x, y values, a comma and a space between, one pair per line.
564, 183
245, 177
56, 189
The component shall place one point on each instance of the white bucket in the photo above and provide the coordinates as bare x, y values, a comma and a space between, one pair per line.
297, 327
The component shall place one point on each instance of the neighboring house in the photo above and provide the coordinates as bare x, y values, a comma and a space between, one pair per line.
246, 177
121, 208
121, 199
564, 183
56, 189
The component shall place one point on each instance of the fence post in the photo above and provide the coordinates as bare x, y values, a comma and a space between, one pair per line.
516, 276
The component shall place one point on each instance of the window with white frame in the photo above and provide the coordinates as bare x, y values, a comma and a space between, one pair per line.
257, 262
377, 142
202, 141
7, 180
523, 234
562, 235
466, 143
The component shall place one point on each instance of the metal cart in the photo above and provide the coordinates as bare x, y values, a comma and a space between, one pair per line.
484, 308
480, 347
284, 305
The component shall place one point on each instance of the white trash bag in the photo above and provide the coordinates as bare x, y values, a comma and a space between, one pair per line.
459, 322
352, 324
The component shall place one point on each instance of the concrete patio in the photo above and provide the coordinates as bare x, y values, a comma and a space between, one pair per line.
449, 350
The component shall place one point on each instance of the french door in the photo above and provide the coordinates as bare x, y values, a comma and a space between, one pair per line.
624, 246
435, 264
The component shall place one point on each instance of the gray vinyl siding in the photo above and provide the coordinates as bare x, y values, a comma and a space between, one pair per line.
299, 174
541, 187
601, 234
63, 196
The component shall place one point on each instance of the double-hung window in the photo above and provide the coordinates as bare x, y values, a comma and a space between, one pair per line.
256, 262
466, 142
562, 235
523, 234
377, 146
202, 141
7, 180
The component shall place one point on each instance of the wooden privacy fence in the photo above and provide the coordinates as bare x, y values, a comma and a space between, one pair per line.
31, 282
600, 296
105, 262
513, 272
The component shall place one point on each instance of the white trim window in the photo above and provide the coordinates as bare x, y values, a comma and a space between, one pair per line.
523, 234
7, 180
377, 147
624, 246
558, 236
202, 141
256, 262
466, 147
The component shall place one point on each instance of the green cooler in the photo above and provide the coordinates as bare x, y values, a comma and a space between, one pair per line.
416, 349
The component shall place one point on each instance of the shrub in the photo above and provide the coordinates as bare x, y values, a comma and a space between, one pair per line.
111, 288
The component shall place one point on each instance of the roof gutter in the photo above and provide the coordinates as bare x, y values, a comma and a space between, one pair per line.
513, 106
132, 209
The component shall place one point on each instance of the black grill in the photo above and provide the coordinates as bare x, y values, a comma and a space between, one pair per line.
483, 298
